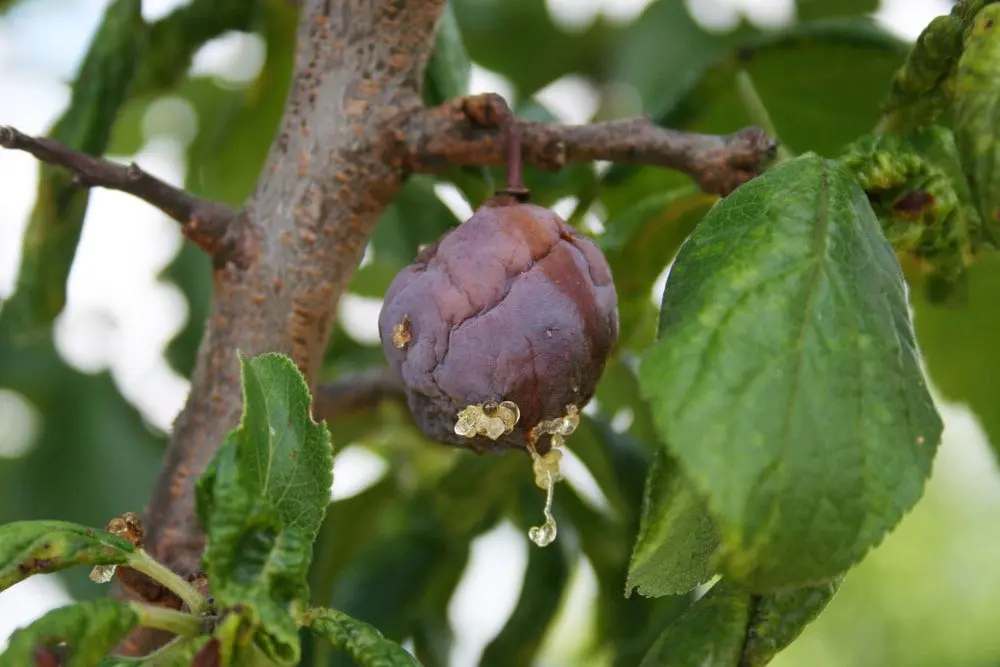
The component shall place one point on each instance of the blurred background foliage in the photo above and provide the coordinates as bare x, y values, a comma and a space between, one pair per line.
394, 553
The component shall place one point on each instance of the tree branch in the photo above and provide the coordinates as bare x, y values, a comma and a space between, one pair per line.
214, 227
358, 70
467, 132
356, 393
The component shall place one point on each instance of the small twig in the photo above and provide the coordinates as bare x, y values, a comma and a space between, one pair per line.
224, 234
355, 393
465, 132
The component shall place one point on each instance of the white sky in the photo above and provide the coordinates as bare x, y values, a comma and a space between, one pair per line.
119, 317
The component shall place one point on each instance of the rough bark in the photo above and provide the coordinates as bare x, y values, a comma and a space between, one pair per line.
358, 70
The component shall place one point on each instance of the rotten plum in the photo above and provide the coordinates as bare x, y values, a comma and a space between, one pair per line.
500, 330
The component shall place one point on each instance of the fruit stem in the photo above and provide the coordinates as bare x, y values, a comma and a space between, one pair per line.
512, 144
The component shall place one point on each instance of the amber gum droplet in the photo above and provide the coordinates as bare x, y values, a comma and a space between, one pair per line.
490, 419
401, 335
547, 468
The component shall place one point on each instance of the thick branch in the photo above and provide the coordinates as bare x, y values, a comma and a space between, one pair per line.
358, 69
352, 394
467, 132
214, 227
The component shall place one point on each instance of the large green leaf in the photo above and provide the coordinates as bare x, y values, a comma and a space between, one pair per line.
830, 75
810, 10
786, 381
710, 634
677, 543
359, 640
955, 343
56, 223
36, 547
520, 41
89, 629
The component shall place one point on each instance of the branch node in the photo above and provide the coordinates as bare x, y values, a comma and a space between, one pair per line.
468, 132
221, 232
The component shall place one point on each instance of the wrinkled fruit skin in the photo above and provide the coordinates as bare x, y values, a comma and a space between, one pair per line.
512, 305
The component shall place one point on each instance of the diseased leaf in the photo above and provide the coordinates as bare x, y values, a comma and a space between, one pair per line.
709, 634
37, 547
56, 222
786, 381
359, 640
918, 191
177, 653
262, 500
922, 88
777, 619
89, 629
976, 105
677, 544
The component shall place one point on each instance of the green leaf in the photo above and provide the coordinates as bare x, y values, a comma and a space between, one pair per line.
262, 501
283, 455
640, 243
234, 137
449, 68
779, 618
542, 590
415, 217
811, 10
77, 468
786, 381
56, 222
90, 630
38, 547
709, 634
358, 639
178, 653
174, 39
976, 103
677, 544
954, 342
828, 74
521, 41
358, 516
